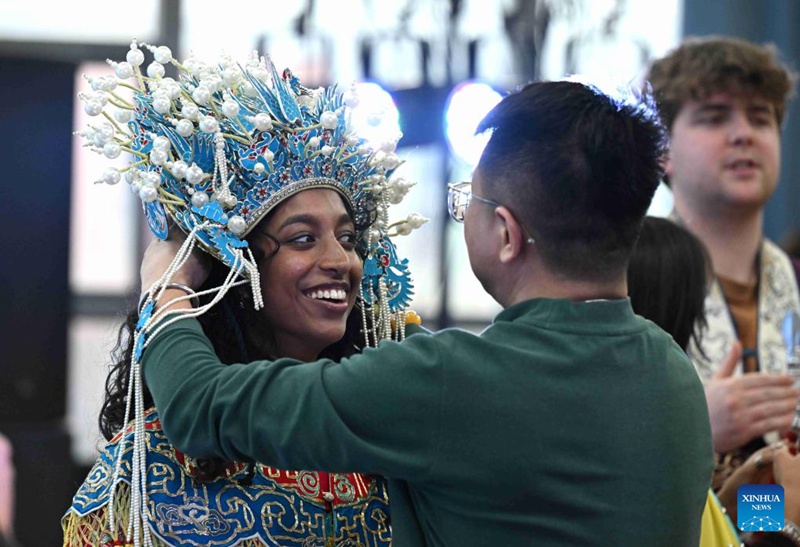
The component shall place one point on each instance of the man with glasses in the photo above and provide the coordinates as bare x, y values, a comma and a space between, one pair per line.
569, 421
459, 194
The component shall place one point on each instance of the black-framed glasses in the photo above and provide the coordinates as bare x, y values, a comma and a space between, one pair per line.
459, 194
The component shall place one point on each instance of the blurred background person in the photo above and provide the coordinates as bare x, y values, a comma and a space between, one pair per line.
723, 101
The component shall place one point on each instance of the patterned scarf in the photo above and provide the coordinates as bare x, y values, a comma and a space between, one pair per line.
777, 295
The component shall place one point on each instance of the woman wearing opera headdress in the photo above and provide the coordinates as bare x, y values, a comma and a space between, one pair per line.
269, 178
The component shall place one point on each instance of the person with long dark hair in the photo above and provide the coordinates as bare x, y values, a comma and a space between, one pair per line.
291, 207
668, 279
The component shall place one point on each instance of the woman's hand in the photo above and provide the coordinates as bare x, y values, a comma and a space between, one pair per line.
757, 469
786, 469
159, 255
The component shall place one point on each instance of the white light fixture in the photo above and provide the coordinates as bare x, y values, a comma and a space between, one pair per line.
466, 106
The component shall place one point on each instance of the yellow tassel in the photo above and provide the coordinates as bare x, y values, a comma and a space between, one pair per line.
411, 318
92, 529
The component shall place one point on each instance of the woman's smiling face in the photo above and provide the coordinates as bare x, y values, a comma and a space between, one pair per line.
310, 285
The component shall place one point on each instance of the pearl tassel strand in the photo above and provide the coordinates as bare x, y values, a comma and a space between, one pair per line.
376, 317
164, 317
384, 327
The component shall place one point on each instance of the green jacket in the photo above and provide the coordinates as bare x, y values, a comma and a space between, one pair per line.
562, 423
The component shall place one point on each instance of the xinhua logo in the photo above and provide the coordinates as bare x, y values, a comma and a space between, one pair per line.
760, 508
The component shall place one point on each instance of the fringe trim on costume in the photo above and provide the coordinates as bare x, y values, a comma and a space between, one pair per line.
92, 528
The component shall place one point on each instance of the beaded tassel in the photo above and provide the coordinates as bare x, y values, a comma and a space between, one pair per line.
163, 317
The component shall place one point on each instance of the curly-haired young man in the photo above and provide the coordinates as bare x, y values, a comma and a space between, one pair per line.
723, 101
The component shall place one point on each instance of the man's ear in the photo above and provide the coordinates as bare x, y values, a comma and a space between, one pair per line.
513, 238
666, 162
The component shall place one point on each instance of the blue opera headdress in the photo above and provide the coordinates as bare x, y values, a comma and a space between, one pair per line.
219, 147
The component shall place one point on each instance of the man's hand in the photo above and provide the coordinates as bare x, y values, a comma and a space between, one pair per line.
747, 406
